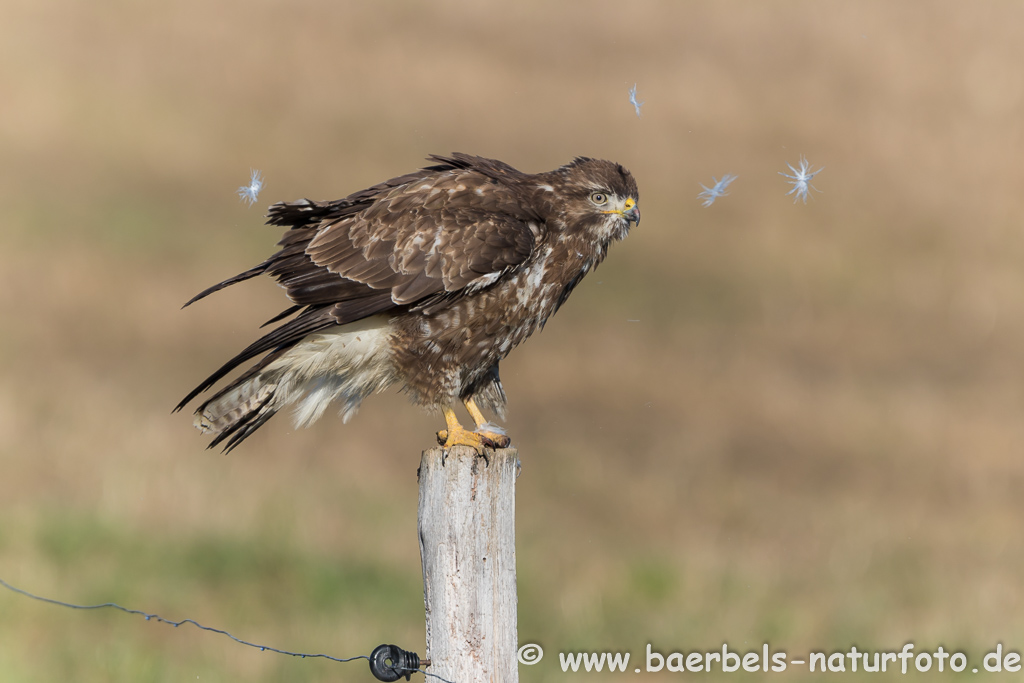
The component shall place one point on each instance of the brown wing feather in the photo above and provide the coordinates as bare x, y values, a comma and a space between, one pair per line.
412, 240
436, 233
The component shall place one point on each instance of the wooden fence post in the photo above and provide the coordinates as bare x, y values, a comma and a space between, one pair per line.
467, 545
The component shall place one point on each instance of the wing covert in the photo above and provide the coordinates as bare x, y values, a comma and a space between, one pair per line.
437, 234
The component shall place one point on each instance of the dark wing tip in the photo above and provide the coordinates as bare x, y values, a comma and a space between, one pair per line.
251, 273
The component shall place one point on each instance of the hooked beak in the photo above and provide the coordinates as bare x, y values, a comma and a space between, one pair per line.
633, 214
630, 211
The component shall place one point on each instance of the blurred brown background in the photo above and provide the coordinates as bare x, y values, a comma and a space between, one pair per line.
757, 422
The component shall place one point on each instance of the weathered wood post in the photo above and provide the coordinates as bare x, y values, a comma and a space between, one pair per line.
467, 545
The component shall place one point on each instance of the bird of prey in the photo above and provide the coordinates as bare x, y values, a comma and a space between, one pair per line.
425, 281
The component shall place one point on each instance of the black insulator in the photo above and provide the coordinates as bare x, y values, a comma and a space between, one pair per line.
390, 662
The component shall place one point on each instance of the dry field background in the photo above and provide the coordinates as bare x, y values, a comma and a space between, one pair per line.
755, 422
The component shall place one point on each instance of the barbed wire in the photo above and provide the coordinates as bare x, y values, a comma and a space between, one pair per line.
170, 622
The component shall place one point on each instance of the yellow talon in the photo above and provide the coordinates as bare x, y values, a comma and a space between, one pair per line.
457, 435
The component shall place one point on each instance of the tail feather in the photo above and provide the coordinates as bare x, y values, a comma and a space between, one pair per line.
279, 339
245, 425
344, 365
234, 405
244, 431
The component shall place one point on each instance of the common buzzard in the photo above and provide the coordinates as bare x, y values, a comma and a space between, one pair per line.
425, 281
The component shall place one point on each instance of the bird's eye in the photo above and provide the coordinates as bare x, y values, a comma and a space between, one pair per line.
599, 198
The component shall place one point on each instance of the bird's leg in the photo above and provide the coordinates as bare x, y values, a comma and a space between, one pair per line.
484, 428
457, 435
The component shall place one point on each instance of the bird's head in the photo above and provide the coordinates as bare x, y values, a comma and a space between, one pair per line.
600, 197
